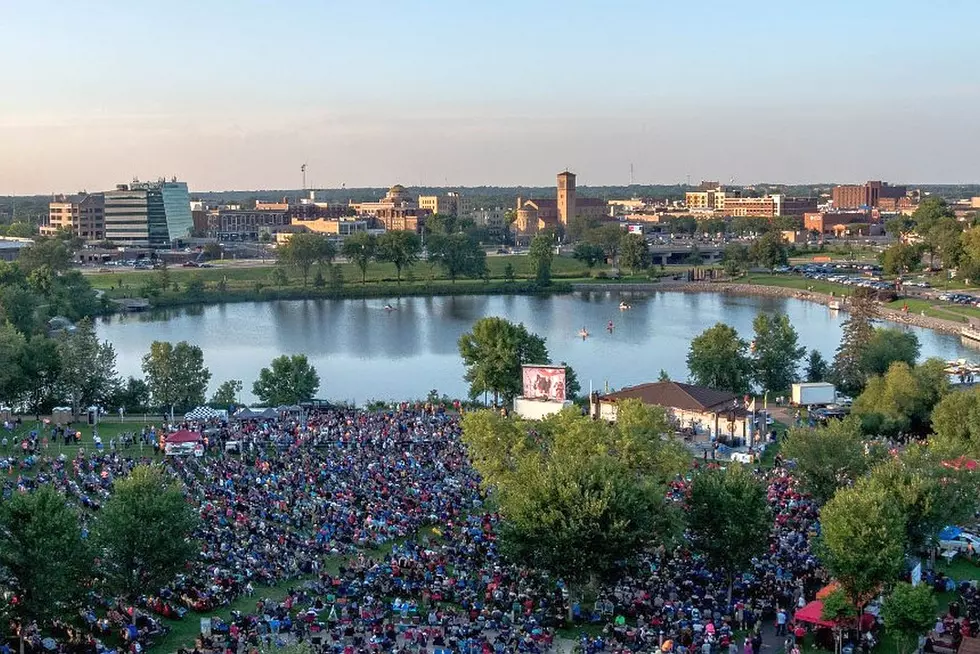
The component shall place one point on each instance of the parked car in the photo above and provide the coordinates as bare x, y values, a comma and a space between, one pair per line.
954, 539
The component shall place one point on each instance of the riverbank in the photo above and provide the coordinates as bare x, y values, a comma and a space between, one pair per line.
947, 326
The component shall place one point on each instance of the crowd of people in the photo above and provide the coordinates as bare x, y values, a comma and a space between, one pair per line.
391, 495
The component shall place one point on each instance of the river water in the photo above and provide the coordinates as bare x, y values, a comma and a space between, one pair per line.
363, 352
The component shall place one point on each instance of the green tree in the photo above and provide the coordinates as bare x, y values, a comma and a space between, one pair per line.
509, 272
592, 255
194, 286
817, 368
899, 226
12, 374
176, 375
88, 367
956, 423
52, 253
664, 376
540, 255
227, 393
634, 252
572, 386
287, 380
718, 358
886, 347
304, 250
858, 331
40, 363
360, 248
945, 239
769, 250
776, 352
132, 396
728, 519
279, 277
903, 399
43, 557
909, 612
579, 227
900, 259
735, 259
828, 458
399, 248
930, 213
163, 277
19, 306
577, 496
458, 254
144, 533
862, 542
609, 237
493, 353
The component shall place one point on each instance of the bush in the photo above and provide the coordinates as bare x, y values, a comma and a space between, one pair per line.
600, 274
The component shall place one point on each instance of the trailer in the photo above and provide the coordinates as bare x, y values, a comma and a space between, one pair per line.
814, 394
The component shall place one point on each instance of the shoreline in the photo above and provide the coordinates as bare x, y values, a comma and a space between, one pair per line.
758, 290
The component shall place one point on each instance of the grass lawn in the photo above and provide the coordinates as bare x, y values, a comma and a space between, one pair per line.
793, 281
108, 427
953, 312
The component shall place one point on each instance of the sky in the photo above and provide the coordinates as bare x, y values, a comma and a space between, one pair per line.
238, 94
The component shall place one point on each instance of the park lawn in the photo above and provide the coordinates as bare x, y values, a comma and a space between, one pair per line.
952, 312
793, 281
126, 281
108, 428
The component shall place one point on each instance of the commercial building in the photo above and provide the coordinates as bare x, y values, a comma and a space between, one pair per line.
705, 411
835, 222
853, 196
768, 206
494, 220
148, 214
242, 225
10, 247
450, 204
396, 211
540, 213
83, 215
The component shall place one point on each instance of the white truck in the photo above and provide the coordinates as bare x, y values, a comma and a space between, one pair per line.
814, 394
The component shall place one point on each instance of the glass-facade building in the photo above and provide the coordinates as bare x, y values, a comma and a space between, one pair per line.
154, 214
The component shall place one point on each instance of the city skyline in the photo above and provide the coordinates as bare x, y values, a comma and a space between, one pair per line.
240, 95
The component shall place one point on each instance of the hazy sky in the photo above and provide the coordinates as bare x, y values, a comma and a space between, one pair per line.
235, 94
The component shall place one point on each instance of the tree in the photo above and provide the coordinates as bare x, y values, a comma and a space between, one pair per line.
817, 368
579, 227
899, 226
634, 252
305, 249
886, 347
900, 259
18, 306
728, 519
718, 359
769, 250
956, 423
664, 376
360, 249
52, 253
908, 613
458, 254
776, 352
143, 535
857, 334
862, 542
930, 213
43, 557
577, 496
493, 353
735, 259
176, 375
287, 380
572, 386
945, 239
227, 393
828, 458
902, 400
509, 272
609, 238
539, 256
592, 255
40, 364
214, 251
88, 367
133, 396
12, 374
399, 248
279, 277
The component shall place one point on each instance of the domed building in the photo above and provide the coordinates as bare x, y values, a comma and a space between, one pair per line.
396, 211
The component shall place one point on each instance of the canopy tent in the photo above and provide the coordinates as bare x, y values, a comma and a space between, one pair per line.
285, 408
184, 436
206, 413
245, 414
812, 613
949, 533
961, 463
258, 414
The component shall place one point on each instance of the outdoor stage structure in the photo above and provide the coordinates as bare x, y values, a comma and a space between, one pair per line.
543, 392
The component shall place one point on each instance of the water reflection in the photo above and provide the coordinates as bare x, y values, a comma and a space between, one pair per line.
364, 351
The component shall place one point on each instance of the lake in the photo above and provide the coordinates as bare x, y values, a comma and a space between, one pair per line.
364, 352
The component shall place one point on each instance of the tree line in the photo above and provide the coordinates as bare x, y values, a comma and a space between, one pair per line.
934, 231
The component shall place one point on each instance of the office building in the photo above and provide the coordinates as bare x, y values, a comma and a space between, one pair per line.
853, 196
768, 206
243, 225
450, 204
835, 222
148, 214
83, 215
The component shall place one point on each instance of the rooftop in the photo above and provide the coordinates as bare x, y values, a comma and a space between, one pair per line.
676, 395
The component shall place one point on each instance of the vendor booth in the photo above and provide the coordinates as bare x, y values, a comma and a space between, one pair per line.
184, 443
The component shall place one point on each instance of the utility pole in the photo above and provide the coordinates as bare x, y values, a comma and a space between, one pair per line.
303, 170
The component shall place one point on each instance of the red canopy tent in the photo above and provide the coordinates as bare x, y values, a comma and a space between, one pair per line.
812, 613
961, 463
184, 436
